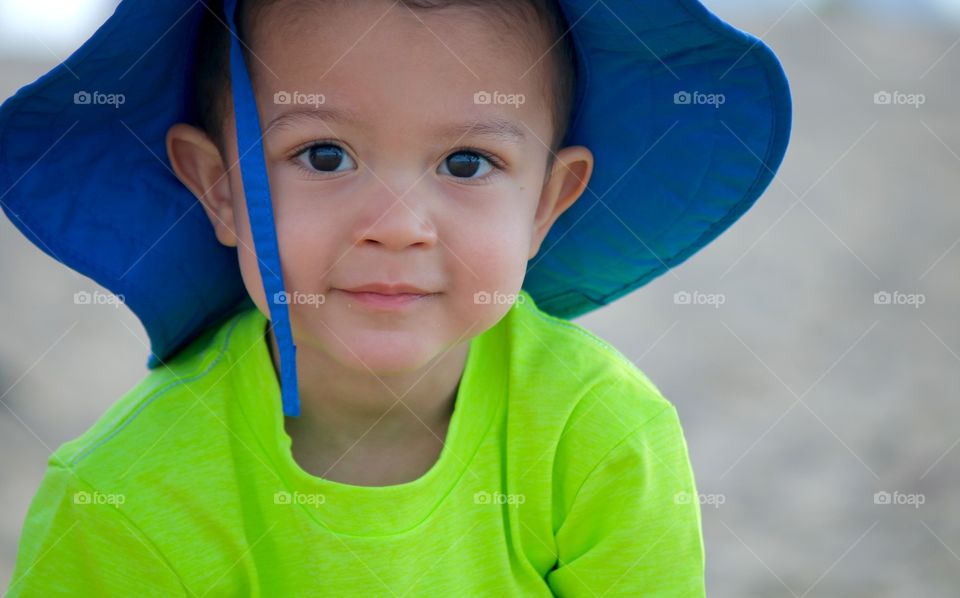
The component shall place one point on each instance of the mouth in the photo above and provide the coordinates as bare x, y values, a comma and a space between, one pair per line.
383, 301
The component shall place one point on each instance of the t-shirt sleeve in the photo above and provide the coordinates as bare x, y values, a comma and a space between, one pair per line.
634, 527
76, 541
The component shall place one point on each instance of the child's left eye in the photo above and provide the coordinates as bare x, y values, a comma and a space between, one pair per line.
465, 164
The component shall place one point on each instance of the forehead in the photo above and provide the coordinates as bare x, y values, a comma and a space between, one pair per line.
513, 25
385, 61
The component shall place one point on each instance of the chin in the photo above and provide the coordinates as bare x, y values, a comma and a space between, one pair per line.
381, 352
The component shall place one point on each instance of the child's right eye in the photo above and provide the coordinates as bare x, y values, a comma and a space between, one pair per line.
324, 157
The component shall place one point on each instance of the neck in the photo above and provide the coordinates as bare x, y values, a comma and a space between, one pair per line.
341, 406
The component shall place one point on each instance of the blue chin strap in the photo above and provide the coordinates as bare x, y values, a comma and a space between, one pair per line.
256, 186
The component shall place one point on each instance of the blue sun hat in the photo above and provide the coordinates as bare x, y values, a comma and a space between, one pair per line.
688, 119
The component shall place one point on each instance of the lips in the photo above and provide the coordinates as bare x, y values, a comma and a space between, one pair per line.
386, 296
388, 289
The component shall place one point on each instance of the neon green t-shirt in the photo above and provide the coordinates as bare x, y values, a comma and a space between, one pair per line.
564, 472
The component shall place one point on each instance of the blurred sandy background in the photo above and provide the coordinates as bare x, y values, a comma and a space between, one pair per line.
801, 395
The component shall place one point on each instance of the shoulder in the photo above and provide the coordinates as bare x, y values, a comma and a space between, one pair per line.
589, 374
588, 398
155, 406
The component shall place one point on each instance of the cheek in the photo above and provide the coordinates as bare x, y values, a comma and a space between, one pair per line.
250, 271
491, 254
301, 239
308, 236
485, 292
246, 257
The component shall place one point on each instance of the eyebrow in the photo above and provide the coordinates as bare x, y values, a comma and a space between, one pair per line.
498, 128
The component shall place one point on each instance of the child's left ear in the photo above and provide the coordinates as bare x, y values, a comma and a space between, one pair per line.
568, 179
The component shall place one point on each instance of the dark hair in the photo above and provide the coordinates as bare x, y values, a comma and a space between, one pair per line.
211, 75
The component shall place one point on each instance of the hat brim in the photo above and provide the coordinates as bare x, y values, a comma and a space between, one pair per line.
91, 185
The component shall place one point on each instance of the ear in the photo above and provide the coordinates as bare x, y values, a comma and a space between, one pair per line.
572, 167
199, 166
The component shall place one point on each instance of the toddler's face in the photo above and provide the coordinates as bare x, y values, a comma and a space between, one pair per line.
377, 177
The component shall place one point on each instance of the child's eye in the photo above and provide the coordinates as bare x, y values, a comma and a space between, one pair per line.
466, 163
325, 157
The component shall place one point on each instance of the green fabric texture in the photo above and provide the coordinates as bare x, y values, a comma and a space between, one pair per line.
564, 472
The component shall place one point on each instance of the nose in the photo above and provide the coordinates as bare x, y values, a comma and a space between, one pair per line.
394, 221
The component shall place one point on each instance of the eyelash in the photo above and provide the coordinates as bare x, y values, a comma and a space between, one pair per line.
497, 164
494, 161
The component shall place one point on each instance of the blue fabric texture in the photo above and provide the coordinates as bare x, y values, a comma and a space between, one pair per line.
256, 188
688, 118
